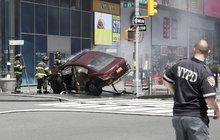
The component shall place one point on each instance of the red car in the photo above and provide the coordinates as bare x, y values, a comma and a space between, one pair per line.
90, 71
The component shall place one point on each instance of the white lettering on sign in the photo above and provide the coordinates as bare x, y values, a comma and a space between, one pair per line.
16, 42
187, 74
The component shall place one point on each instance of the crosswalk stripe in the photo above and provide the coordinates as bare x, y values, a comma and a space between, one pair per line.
126, 106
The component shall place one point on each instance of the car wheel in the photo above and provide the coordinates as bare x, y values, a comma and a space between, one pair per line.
94, 89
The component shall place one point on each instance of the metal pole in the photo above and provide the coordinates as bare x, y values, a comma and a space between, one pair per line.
150, 73
137, 81
8, 63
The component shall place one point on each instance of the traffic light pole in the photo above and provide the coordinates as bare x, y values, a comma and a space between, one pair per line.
137, 83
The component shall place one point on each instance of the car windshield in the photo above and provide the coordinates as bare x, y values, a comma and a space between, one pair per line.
101, 62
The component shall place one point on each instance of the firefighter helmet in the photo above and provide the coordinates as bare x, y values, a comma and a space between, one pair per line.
18, 56
45, 58
57, 55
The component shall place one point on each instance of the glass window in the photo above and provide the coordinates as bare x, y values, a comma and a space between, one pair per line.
87, 5
28, 55
65, 3
40, 47
53, 21
75, 24
41, 1
53, 2
27, 17
64, 22
86, 44
86, 24
75, 45
29, 0
101, 62
75, 4
40, 19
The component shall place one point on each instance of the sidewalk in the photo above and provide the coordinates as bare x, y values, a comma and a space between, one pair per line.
30, 95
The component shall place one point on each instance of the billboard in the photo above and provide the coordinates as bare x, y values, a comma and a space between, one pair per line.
116, 28
212, 8
103, 29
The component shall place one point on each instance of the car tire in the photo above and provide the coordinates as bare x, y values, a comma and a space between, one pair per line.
94, 89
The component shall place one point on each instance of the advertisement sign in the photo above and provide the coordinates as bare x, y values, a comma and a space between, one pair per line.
116, 27
103, 29
106, 7
212, 8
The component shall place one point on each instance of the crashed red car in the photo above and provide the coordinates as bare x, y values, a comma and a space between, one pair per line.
90, 71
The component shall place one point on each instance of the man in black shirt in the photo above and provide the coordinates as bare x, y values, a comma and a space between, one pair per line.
193, 85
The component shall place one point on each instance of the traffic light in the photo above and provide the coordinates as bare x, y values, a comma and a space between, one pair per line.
130, 34
151, 9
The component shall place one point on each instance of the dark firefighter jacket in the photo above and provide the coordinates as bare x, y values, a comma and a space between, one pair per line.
18, 68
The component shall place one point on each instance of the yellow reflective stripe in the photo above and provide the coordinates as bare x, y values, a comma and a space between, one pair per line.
18, 89
47, 68
16, 72
40, 74
39, 68
17, 66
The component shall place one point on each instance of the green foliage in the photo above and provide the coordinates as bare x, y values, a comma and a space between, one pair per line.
215, 68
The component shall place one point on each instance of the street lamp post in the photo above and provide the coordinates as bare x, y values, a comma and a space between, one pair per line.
137, 84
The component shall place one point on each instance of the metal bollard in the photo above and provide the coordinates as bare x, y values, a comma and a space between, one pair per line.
150, 85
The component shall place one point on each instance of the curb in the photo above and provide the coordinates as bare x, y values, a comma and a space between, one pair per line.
155, 96
30, 98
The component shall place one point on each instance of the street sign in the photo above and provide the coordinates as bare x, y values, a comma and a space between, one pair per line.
142, 27
125, 4
143, 1
138, 20
16, 42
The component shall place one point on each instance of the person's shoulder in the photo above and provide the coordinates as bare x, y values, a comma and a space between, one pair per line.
182, 60
207, 69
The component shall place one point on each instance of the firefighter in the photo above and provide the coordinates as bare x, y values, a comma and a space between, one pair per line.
18, 70
42, 73
57, 64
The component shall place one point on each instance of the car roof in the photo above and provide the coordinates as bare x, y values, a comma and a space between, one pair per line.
84, 57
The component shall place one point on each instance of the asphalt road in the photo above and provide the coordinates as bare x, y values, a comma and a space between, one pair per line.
55, 125
83, 126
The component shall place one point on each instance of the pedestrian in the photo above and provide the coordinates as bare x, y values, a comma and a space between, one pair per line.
42, 73
193, 85
18, 70
59, 78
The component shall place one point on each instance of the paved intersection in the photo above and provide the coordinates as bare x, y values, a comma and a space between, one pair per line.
148, 107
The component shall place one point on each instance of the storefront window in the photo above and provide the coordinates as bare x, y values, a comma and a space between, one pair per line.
40, 19
53, 21
65, 3
86, 24
86, 44
87, 5
40, 48
41, 1
27, 17
75, 4
75, 24
75, 45
53, 2
29, 0
28, 55
64, 22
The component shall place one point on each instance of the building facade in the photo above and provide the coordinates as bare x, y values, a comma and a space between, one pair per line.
46, 26
69, 26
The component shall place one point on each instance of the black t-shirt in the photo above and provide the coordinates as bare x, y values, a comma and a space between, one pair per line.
193, 82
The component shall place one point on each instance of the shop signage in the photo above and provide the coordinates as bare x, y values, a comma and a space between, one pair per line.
16, 42
106, 7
